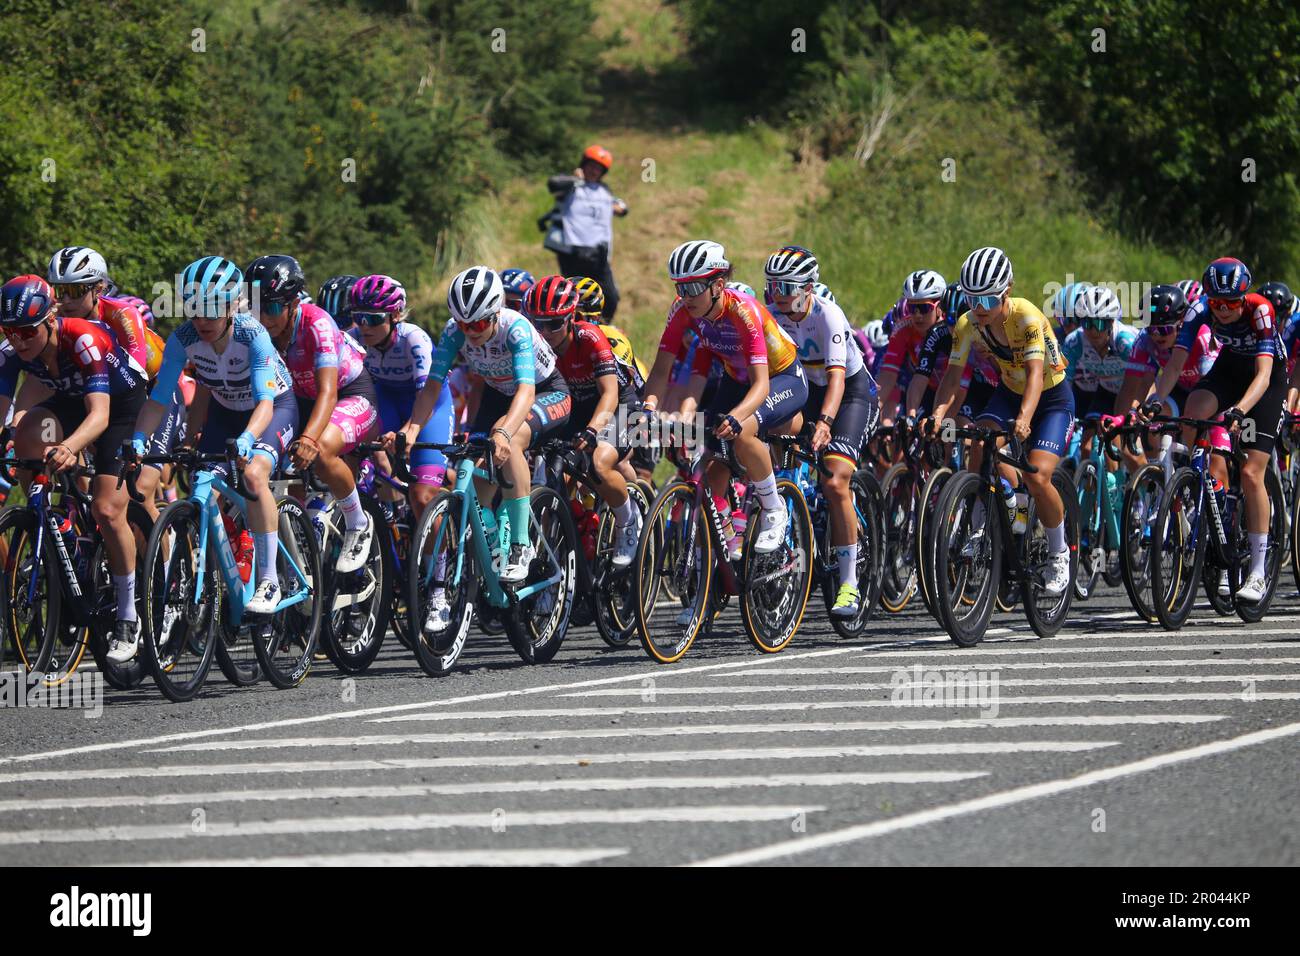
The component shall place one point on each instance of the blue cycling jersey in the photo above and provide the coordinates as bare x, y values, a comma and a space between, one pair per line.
247, 371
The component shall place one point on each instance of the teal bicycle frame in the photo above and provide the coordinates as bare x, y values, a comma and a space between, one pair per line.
472, 518
1100, 517
213, 531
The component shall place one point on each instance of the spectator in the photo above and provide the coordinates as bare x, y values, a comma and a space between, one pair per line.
579, 230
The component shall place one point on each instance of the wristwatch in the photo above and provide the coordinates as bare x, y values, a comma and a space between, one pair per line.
828, 419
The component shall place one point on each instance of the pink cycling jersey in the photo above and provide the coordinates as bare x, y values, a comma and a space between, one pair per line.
1149, 357
317, 343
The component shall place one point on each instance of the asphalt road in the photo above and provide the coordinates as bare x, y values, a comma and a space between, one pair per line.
1112, 743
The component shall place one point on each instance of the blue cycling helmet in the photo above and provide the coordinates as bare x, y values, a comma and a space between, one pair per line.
517, 281
953, 302
1065, 303
210, 284
25, 301
1226, 279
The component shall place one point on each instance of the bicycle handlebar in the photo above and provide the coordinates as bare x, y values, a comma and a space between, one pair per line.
990, 437
186, 458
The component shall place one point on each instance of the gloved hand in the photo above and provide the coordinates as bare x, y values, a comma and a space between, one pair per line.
139, 443
244, 445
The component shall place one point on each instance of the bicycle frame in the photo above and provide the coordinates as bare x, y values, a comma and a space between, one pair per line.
72, 582
212, 530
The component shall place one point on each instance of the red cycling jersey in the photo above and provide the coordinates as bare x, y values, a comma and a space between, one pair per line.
87, 360
588, 357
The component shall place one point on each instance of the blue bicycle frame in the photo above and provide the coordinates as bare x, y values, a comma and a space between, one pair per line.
466, 472
213, 530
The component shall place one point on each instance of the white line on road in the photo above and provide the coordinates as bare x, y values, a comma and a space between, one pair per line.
666, 710
494, 820
1007, 666
690, 730
1000, 699
597, 785
559, 760
996, 800
555, 857
977, 677
1036, 647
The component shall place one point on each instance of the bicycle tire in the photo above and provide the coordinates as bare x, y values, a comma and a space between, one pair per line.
354, 637
898, 498
930, 492
438, 657
615, 597
31, 651
1146, 487
1251, 613
286, 649
538, 624
128, 674
868, 548
674, 523
953, 569
1046, 622
1181, 578
773, 613
191, 628
1092, 550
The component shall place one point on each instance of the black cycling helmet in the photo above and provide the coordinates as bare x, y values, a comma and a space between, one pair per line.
334, 297
1165, 305
275, 278
1280, 295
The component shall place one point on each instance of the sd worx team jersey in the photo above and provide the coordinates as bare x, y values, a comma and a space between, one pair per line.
128, 327
87, 361
1030, 337
744, 334
317, 343
249, 370
514, 355
1149, 358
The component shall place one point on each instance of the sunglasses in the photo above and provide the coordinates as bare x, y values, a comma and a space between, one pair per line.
1162, 330
689, 289
549, 324
783, 287
473, 328
1224, 303
273, 308
922, 307
984, 303
24, 333
370, 318
68, 290
1097, 325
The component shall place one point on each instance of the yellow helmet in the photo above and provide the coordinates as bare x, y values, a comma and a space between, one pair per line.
591, 297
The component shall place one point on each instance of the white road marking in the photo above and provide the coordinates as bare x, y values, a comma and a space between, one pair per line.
596, 785
372, 823
1007, 666
558, 760
555, 857
1035, 647
997, 800
689, 730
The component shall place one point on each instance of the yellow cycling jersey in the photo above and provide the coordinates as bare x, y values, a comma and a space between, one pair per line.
622, 348
1030, 336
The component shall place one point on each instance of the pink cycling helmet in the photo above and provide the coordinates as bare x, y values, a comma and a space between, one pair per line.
377, 293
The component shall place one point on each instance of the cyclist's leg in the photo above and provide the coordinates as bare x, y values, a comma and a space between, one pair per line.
268, 451
1204, 403
1266, 418
429, 467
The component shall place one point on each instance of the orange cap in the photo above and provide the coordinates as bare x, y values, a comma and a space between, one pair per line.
599, 154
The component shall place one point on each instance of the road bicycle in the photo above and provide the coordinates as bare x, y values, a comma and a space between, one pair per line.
1101, 494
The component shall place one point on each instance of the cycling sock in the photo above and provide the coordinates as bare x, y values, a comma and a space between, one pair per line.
354, 519
1056, 538
623, 513
124, 584
1258, 552
765, 488
516, 510
264, 549
847, 556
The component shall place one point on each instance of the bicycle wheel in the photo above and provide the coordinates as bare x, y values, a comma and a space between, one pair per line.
967, 565
1046, 613
616, 588
776, 585
1295, 536
236, 646
180, 626
1092, 547
1141, 506
1178, 541
1222, 604
869, 558
541, 620
129, 674
930, 492
898, 491
1277, 532
432, 573
286, 645
674, 574
31, 598
358, 604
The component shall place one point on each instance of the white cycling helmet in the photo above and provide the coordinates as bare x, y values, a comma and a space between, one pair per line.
822, 292
477, 293
77, 265
924, 284
697, 260
876, 334
791, 264
986, 271
1098, 302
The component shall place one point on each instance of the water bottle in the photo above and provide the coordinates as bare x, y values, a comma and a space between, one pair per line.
739, 521
1219, 500
1009, 499
1021, 522
315, 513
366, 476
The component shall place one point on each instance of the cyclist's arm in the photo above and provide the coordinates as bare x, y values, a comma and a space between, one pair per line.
759, 387
606, 401
1170, 373
327, 397
197, 414
658, 380
93, 425
31, 393
151, 414
916, 391
1135, 389
1033, 388
887, 386
946, 391
694, 390
834, 391
449, 346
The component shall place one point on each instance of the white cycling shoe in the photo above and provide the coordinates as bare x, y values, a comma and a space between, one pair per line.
265, 598
772, 528
439, 615
356, 548
1057, 578
1252, 592
626, 539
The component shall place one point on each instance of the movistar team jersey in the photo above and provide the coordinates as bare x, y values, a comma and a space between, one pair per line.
246, 371
1029, 335
1090, 370
515, 354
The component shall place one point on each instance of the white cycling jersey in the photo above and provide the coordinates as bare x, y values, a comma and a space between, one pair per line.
404, 365
514, 355
824, 339
249, 370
